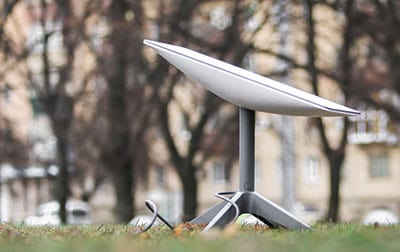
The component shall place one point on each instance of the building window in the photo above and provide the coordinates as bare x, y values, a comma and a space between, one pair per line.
378, 165
218, 171
263, 122
160, 176
37, 107
312, 170
371, 126
6, 92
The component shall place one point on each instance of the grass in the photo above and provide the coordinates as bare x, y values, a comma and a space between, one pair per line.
120, 238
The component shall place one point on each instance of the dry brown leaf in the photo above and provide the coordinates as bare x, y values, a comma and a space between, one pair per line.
231, 230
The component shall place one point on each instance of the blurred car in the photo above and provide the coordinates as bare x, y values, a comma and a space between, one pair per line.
380, 216
47, 214
307, 213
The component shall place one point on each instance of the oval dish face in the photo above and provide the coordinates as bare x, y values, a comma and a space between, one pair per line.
246, 89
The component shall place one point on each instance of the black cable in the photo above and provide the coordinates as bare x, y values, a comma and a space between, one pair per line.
150, 205
154, 210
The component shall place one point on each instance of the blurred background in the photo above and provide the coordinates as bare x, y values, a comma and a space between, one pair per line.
92, 122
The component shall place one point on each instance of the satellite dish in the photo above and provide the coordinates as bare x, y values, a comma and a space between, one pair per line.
244, 88
250, 92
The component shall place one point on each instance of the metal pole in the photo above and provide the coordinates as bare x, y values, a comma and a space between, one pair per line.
246, 149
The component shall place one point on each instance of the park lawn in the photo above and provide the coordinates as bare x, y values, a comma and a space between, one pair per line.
120, 238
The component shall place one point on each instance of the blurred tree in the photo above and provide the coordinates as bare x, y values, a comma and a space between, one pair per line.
366, 69
12, 150
335, 155
50, 51
339, 70
377, 76
130, 84
208, 126
287, 133
114, 31
128, 102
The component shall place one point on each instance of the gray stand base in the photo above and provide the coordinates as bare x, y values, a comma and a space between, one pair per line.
246, 200
253, 203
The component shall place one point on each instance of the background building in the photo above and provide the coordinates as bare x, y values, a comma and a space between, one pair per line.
370, 173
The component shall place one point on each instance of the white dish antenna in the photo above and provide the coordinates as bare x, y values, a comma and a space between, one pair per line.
246, 89
250, 92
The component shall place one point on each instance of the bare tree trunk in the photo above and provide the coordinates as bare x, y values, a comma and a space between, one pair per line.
335, 164
116, 154
189, 184
122, 56
185, 172
228, 45
184, 164
334, 156
61, 113
123, 184
59, 106
62, 181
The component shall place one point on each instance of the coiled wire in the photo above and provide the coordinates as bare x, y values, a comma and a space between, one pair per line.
153, 208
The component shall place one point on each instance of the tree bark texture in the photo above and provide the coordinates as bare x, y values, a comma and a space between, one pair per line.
184, 164
62, 181
121, 58
189, 184
335, 156
335, 164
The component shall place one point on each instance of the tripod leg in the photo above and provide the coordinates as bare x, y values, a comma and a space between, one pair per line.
207, 216
271, 213
227, 213
221, 214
